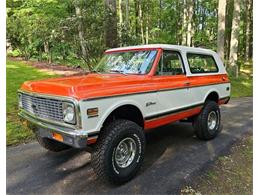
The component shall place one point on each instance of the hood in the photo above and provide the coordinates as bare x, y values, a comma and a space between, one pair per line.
89, 86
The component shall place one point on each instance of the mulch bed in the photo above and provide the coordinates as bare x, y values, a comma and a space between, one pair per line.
68, 71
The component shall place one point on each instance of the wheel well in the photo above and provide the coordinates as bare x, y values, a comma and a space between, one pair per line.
129, 112
213, 96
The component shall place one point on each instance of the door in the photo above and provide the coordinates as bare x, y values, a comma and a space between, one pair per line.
172, 83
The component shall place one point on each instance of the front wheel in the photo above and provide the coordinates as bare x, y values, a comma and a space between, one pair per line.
207, 124
119, 152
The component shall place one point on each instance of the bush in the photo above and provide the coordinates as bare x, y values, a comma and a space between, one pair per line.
14, 53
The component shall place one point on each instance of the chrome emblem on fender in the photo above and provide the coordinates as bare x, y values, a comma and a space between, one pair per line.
150, 103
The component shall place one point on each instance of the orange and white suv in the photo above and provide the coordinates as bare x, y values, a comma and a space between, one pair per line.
131, 90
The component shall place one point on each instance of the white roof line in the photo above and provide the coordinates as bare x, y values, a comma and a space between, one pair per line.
163, 46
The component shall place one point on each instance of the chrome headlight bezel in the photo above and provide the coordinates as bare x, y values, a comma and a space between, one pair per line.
69, 113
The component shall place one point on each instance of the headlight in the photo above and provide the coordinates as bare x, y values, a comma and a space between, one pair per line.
69, 113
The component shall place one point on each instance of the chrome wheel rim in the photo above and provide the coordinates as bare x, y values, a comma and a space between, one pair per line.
212, 120
125, 152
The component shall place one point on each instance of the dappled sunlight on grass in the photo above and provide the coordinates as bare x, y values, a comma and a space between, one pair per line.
246, 84
241, 87
11, 66
17, 73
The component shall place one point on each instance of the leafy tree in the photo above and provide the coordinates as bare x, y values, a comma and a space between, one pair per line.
77, 31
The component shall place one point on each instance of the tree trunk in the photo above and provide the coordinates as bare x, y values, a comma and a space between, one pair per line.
136, 17
221, 28
184, 27
110, 24
234, 38
179, 23
40, 54
248, 28
140, 11
47, 50
127, 14
189, 20
81, 30
250, 51
120, 22
50, 56
160, 17
64, 54
147, 30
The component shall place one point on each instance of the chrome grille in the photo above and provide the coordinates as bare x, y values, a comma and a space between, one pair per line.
43, 107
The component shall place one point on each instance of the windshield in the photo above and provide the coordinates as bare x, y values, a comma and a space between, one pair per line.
130, 62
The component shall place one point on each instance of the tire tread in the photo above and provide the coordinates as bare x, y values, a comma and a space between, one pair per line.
199, 123
104, 139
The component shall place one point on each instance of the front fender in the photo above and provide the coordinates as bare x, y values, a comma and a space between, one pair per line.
105, 107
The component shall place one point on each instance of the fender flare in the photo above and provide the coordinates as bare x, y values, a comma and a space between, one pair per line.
115, 106
214, 90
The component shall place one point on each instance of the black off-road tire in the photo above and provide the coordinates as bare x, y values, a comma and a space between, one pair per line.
51, 145
103, 155
200, 123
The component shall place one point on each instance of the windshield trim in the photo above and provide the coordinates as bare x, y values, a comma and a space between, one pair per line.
133, 50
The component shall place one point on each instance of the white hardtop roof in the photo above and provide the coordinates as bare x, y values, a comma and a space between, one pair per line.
163, 46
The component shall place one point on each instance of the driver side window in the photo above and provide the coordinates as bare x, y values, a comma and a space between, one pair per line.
170, 64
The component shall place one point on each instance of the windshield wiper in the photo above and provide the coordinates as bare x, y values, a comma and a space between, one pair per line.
118, 71
95, 71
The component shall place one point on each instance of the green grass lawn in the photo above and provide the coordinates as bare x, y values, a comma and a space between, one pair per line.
17, 73
242, 86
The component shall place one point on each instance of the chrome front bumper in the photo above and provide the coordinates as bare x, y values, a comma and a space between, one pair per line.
76, 138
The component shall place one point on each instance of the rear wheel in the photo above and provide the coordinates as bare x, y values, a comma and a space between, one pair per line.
207, 124
51, 145
119, 152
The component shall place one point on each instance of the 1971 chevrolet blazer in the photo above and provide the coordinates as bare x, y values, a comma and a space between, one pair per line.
131, 90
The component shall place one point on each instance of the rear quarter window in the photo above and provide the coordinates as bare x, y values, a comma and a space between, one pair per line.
201, 63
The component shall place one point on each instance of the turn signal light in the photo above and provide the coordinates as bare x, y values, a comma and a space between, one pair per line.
92, 112
57, 137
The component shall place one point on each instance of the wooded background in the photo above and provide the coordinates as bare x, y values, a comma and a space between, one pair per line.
77, 32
